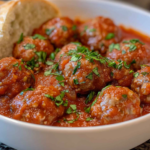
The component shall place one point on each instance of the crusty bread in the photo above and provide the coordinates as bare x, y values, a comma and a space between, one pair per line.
2, 2
22, 16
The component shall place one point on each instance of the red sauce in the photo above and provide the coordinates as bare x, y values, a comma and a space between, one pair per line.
79, 116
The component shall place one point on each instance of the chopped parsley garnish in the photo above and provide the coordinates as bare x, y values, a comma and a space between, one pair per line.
64, 28
20, 39
71, 109
31, 64
111, 74
58, 100
90, 97
38, 36
89, 119
87, 110
72, 121
65, 103
52, 56
76, 57
124, 96
85, 28
133, 62
28, 89
41, 56
90, 76
95, 70
49, 96
136, 74
74, 27
144, 73
54, 68
123, 52
101, 93
76, 81
49, 63
110, 36
20, 68
136, 41
16, 65
76, 68
132, 47
92, 30
114, 46
126, 66
60, 78
29, 46
131, 71
49, 31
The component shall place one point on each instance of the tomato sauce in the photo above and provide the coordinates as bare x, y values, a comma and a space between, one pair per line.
71, 105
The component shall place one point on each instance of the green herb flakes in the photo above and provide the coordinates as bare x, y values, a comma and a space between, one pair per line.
74, 27
75, 81
64, 28
49, 63
29, 46
49, 31
95, 70
110, 36
52, 56
136, 75
90, 76
20, 39
89, 119
76, 68
124, 96
38, 36
90, 97
28, 89
123, 52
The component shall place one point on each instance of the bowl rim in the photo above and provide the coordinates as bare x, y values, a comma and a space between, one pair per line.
91, 128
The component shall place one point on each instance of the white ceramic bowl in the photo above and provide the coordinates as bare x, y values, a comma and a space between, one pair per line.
121, 136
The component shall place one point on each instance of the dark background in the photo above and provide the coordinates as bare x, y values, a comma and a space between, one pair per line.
145, 4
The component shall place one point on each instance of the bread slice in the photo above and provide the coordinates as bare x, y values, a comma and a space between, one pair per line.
22, 16
2, 2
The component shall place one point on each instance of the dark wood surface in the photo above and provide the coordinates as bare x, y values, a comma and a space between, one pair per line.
141, 3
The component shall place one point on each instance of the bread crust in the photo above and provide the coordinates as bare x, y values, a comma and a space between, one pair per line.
8, 18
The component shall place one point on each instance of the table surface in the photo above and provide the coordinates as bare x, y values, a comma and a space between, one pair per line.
141, 3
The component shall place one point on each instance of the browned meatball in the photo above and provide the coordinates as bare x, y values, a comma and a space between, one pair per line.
122, 76
116, 104
133, 52
48, 80
39, 106
30, 47
60, 31
141, 84
79, 72
99, 33
14, 77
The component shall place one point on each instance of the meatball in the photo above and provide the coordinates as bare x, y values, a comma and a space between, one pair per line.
141, 84
133, 52
116, 104
41, 79
122, 76
14, 77
30, 47
80, 73
39, 106
60, 31
99, 33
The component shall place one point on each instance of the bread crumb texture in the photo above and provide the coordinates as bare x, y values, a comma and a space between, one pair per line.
22, 16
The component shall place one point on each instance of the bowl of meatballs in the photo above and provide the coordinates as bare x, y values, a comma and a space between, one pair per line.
80, 81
